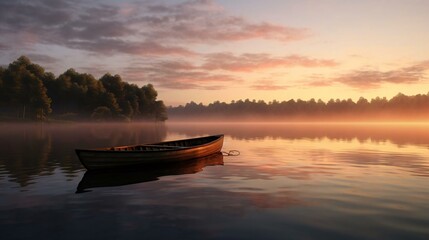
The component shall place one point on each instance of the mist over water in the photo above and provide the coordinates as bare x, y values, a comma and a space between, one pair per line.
324, 181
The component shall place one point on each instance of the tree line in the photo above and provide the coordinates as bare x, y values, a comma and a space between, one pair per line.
27, 91
399, 107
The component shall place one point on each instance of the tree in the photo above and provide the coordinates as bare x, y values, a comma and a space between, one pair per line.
160, 112
24, 93
27, 91
34, 98
102, 113
131, 96
123, 93
114, 85
81, 93
147, 102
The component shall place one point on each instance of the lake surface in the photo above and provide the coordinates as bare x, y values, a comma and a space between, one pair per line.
291, 181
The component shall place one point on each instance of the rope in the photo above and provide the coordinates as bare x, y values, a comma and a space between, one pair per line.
231, 153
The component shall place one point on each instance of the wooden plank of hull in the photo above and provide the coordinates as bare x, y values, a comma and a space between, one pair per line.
97, 159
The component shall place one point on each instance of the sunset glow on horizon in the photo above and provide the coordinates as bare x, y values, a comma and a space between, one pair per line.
219, 50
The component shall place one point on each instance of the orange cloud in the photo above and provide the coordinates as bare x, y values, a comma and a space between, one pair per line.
193, 80
252, 62
363, 79
370, 79
182, 74
272, 31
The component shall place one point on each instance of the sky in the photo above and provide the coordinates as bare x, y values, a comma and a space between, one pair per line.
224, 50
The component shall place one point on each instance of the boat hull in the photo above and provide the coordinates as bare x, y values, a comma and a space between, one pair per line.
107, 158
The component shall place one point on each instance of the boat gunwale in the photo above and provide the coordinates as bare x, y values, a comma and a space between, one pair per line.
108, 150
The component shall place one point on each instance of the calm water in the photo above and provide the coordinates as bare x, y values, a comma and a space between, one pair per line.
295, 181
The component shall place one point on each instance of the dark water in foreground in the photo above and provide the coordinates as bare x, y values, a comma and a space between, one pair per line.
291, 181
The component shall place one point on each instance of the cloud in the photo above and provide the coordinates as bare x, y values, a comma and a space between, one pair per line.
179, 75
373, 79
98, 29
41, 58
268, 85
21, 15
3, 47
88, 28
419, 67
174, 65
191, 80
139, 28
252, 62
218, 30
112, 46
368, 79
206, 21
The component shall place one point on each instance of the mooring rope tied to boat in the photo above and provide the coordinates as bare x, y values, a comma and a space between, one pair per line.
231, 153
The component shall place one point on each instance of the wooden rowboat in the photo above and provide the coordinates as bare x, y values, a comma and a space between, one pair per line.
150, 154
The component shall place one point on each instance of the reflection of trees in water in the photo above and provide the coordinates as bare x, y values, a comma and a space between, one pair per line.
396, 133
25, 152
414, 163
36, 149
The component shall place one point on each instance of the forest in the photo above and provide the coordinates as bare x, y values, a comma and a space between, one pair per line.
28, 92
399, 108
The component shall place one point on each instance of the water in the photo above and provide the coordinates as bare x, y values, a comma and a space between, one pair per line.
298, 181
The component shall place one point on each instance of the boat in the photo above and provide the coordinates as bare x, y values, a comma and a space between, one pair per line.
150, 154
135, 175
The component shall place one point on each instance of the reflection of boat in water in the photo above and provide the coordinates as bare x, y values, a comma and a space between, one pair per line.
156, 153
120, 177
